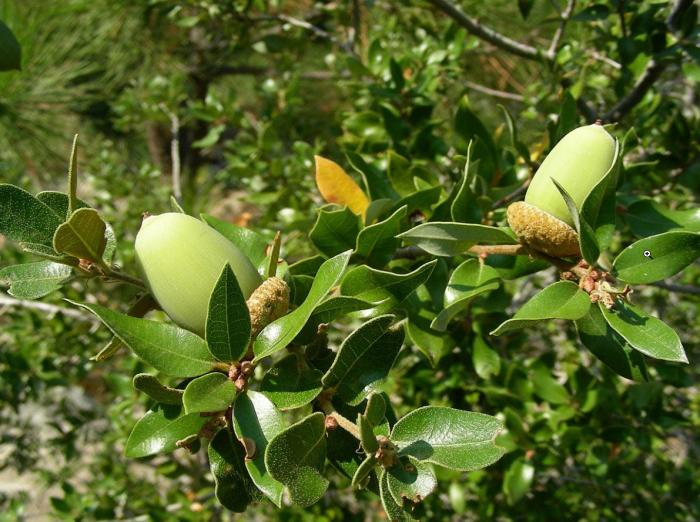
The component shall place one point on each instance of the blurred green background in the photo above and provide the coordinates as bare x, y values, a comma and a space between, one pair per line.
224, 103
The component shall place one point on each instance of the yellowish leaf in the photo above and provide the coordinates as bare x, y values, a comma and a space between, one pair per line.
336, 186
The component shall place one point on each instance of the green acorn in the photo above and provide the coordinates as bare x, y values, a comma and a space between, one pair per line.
578, 162
181, 259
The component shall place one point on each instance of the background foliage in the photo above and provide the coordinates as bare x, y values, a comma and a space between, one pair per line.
224, 105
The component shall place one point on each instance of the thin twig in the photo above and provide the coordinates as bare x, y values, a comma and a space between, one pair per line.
486, 33
509, 197
559, 34
49, 309
174, 152
651, 73
494, 92
679, 289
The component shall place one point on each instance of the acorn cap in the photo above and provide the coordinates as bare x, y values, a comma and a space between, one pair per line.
268, 302
542, 231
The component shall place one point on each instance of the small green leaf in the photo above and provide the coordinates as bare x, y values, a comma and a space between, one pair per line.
547, 387
398, 171
335, 231
368, 439
278, 334
648, 218
228, 320
464, 207
257, 419
420, 201
11, 55
518, 480
610, 347
561, 300
375, 411
152, 387
485, 359
363, 471
455, 439
386, 289
411, 481
252, 244
232, 484
586, 236
58, 202
395, 512
432, 344
451, 239
377, 243
167, 348
25, 219
159, 430
73, 179
364, 359
209, 393
290, 383
469, 279
34, 280
82, 236
657, 257
645, 333
296, 457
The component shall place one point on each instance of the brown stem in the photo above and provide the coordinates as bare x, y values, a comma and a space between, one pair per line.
344, 423
504, 250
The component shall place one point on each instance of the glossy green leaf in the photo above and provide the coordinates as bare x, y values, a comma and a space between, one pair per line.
335, 231
468, 280
364, 359
290, 383
228, 321
657, 257
645, 333
82, 236
561, 300
485, 359
588, 243
257, 420
232, 485
455, 439
34, 280
451, 239
464, 207
395, 512
278, 334
411, 481
514, 267
25, 219
252, 244
157, 391
296, 457
159, 430
11, 55
386, 289
169, 349
377, 243
376, 181
420, 201
608, 346
517, 480
329, 310
209, 393
431, 343
648, 218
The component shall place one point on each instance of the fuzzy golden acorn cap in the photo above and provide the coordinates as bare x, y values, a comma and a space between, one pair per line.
268, 302
542, 231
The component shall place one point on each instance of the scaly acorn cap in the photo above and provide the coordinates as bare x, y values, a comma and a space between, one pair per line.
268, 302
542, 231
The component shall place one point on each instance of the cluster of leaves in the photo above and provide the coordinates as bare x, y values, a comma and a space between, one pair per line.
573, 428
